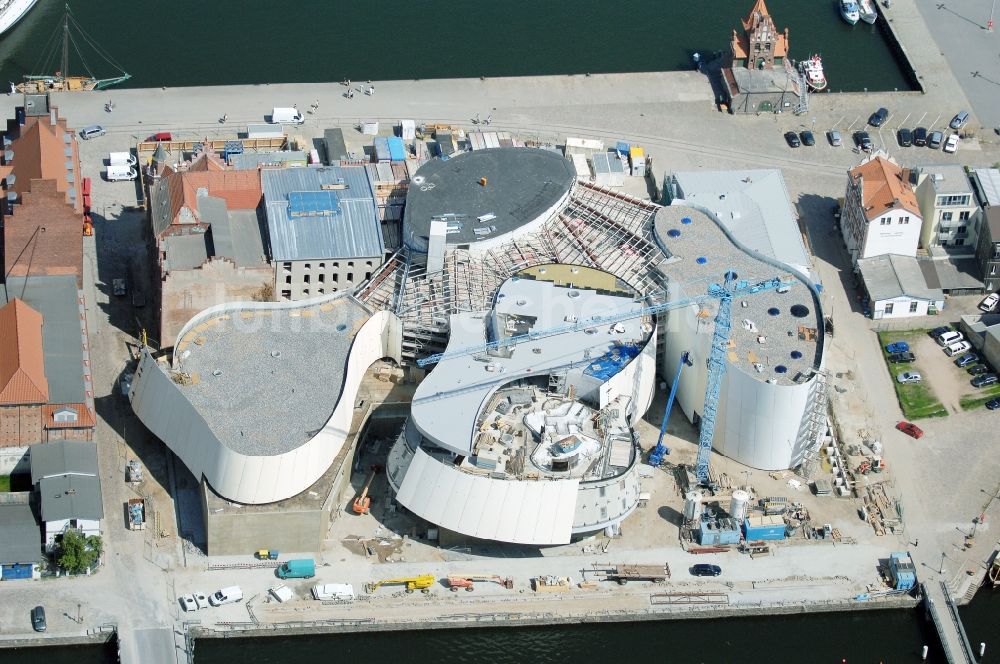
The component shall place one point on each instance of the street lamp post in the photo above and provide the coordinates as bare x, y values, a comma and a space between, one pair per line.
989, 23
941, 569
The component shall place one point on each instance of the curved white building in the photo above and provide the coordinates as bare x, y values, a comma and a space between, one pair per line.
531, 443
260, 396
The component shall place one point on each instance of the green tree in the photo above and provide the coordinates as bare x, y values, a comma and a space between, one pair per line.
77, 553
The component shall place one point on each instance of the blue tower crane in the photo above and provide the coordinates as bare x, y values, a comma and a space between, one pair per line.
657, 453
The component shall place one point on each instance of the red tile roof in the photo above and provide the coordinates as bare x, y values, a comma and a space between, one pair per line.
884, 187
84, 418
240, 189
40, 154
22, 365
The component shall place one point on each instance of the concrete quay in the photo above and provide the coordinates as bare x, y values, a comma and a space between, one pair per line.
940, 480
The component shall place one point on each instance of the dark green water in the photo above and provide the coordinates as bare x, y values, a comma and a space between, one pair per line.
211, 42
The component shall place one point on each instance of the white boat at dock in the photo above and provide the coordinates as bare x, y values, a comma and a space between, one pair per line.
849, 11
867, 11
12, 11
813, 70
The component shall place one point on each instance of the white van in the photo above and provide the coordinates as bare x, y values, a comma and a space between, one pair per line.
286, 116
342, 592
120, 172
121, 159
226, 596
948, 338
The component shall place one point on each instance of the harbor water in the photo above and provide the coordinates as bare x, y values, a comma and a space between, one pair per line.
192, 42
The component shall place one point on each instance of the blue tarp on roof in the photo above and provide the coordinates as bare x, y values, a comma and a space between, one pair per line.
612, 362
313, 203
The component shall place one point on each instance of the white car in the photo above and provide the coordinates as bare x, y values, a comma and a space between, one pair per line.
989, 303
951, 144
909, 377
200, 599
958, 348
187, 603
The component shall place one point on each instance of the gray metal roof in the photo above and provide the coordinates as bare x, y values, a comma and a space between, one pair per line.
184, 252
521, 184
953, 272
754, 206
891, 275
354, 233
62, 457
20, 536
71, 497
237, 235
989, 184
993, 223
55, 298
333, 142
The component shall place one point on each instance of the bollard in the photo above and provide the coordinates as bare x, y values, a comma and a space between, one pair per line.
923, 654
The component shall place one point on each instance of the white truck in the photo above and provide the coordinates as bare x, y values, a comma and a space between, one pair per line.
121, 159
120, 172
286, 116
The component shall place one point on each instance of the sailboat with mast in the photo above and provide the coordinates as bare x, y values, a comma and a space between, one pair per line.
61, 81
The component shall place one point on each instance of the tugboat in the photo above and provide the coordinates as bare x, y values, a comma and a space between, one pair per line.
866, 9
813, 70
60, 81
849, 11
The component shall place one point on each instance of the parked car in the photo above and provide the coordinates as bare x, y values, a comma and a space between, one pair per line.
834, 137
38, 619
993, 404
951, 145
902, 358
938, 331
160, 136
897, 347
977, 369
949, 337
966, 360
905, 137
934, 140
187, 603
878, 118
227, 595
989, 303
92, 131
705, 569
792, 139
920, 136
200, 599
959, 120
985, 379
910, 429
807, 138
863, 140
957, 348
908, 377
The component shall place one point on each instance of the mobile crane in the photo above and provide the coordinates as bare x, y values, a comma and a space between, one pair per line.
422, 583
364, 501
467, 581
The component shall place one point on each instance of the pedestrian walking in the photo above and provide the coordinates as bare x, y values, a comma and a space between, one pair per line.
916, 543
489, 118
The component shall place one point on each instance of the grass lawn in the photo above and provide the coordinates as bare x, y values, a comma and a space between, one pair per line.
915, 399
4, 483
977, 399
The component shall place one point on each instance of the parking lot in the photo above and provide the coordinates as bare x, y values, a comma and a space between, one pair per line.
944, 388
888, 131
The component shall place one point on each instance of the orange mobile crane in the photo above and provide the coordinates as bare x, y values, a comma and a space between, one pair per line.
363, 501
467, 581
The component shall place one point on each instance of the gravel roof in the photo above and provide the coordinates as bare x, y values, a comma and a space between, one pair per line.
702, 254
280, 372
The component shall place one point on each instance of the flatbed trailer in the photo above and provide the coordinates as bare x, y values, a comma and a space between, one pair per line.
625, 572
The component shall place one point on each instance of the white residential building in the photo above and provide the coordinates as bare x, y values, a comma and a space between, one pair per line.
949, 207
880, 213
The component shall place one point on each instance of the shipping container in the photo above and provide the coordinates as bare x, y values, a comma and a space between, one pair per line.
637, 158
397, 150
407, 130
764, 528
583, 145
336, 148
381, 149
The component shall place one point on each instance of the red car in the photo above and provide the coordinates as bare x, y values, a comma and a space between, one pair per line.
161, 136
910, 429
